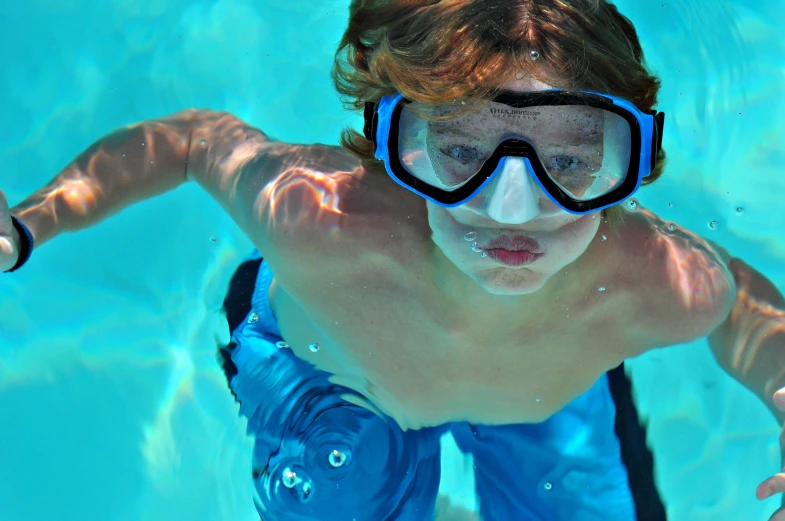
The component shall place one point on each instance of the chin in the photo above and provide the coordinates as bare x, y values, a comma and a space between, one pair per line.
506, 281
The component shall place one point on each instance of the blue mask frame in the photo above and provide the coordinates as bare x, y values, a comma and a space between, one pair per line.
646, 129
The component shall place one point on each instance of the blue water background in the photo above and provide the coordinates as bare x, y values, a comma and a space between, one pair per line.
113, 407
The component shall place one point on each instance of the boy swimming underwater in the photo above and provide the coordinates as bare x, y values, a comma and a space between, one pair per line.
465, 269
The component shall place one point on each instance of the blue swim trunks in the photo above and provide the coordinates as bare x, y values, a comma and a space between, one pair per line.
319, 457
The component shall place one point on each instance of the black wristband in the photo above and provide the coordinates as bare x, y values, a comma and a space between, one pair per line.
26, 243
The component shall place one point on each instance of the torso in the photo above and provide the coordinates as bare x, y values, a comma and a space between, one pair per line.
367, 284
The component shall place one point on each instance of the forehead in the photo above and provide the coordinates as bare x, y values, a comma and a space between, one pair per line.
526, 84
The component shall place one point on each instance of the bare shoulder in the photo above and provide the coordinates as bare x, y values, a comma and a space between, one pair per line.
284, 196
682, 283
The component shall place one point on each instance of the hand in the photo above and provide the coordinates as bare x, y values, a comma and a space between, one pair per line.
776, 483
9, 237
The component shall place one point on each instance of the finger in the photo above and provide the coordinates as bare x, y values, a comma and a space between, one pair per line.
771, 486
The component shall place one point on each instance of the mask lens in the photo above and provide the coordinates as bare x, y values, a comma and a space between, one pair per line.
584, 150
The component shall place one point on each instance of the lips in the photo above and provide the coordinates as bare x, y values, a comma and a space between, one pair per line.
515, 243
514, 251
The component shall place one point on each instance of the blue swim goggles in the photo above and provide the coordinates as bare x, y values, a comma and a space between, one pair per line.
587, 151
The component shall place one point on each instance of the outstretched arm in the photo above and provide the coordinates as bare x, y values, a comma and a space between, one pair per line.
750, 346
230, 159
132, 164
750, 343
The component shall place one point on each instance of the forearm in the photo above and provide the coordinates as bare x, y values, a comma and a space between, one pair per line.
126, 166
750, 344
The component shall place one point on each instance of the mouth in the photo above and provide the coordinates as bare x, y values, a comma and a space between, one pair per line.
514, 250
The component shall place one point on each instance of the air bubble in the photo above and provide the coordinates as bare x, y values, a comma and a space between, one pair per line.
281, 345
289, 478
548, 485
632, 204
484, 254
601, 288
670, 205
203, 142
713, 225
534, 55
313, 347
739, 210
470, 236
253, 318
336, 458
671, 227
476, 248
604, 238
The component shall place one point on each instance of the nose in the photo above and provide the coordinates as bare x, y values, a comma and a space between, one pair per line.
513, 196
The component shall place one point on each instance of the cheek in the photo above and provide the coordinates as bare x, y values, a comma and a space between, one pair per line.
577, 235
442, 223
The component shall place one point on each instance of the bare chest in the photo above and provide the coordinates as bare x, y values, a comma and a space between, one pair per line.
425, 361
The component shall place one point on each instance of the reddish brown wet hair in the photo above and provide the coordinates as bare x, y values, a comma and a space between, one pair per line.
435, 51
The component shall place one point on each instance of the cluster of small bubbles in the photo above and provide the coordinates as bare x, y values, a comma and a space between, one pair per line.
671, 226
470, 236
336, 458
281, 345
289, 478
601, 288
253, 318
313, 347
534, 55
739, 210
476, 248
713, 225
632, 204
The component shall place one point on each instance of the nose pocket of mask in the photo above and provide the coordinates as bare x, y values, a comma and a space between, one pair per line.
513, 196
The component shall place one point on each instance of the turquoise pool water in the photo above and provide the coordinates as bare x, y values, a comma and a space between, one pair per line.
113, 406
